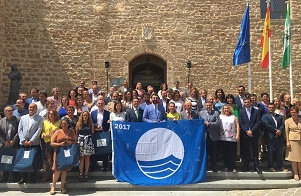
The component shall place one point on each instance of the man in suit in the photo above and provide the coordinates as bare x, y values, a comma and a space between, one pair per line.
188, 114
29, 130
164, 101
9, 136
100, 119
154, 112
274, 133
249, 122
212, 127
240, 97
134, 114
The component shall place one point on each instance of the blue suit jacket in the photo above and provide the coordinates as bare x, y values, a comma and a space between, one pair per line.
238, 102
270, 126
32, 133
253, 124
106, 116
149, 114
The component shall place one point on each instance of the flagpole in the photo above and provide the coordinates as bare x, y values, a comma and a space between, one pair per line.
249, 67
270, 63
291, 68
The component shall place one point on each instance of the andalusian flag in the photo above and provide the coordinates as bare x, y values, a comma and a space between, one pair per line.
286, 40
266, 34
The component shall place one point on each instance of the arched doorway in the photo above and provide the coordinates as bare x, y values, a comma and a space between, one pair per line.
147, 69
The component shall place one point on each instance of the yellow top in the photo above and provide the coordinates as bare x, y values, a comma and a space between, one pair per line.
49, 129
173, 116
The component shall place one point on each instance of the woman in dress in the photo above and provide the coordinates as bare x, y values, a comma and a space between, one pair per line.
163, 87
293, 141
229, 136
62, 137
194, 98
172, 114
49, 127
84, 130
62, 109
220, 100
79, 106
179, 103
127, 100
278, 107
72, 97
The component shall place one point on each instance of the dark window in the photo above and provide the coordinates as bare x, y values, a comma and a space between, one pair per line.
278, 9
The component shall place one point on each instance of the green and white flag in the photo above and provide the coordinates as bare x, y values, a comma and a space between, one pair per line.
286, 58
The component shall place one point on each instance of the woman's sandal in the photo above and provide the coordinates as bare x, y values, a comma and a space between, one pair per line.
80, 178
86, 178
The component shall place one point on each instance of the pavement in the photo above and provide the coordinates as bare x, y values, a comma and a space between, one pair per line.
268, 192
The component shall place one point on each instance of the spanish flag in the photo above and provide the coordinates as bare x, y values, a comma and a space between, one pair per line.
266, 34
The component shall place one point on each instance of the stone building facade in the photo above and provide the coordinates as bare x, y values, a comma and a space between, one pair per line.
60, 42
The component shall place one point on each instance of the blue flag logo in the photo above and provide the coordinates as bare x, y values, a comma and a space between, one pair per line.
242, 51
158, 154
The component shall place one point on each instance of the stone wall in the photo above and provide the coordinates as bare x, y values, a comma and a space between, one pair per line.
2, 27
59, 42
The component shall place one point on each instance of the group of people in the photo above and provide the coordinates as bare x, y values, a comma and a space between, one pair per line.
239, 123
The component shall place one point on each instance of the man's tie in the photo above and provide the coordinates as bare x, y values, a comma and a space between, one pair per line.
188, 115
136, 112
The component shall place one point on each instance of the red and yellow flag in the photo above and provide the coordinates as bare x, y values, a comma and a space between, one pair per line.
266, 33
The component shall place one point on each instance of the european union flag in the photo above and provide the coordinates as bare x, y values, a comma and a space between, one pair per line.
158, 154
242, 50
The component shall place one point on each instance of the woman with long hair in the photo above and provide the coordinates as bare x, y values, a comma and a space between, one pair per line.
278, 107
220, 100
62, 137
229, 137
79, 106
62, 109
87, 100
231, 101
49, 127
84, 130
172, 114
118, 113
194, 98
163, 87
73, 118
140, 90
127, 100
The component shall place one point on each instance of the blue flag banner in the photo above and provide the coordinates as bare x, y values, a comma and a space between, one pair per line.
242, 51
158, 154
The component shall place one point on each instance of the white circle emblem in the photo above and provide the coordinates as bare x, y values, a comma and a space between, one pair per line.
159, 153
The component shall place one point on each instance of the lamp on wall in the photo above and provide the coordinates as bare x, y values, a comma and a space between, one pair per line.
107, 66
188, 65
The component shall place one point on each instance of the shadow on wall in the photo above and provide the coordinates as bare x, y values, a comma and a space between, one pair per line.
28, 43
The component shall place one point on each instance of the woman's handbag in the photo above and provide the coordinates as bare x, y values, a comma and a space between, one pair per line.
67, 157
28, 159
102, 142
7, 158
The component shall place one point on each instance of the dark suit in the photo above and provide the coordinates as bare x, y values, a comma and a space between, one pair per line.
131, 115
184, 116
238, 102
274, 142
213, 133
167, 101
246, 142
105, 127
5, 137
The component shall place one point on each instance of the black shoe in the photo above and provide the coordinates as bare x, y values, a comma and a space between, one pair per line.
3, 180
22, 181
257, 170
